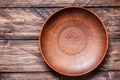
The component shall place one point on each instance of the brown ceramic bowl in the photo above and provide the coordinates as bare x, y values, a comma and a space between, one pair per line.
73, 41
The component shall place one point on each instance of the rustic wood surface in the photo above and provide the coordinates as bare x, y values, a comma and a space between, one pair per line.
57, 3
20, 23
25, 23
24, 56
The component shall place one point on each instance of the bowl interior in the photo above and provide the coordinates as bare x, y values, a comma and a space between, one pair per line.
73, 41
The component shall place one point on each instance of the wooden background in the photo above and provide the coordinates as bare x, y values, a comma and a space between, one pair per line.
20, 22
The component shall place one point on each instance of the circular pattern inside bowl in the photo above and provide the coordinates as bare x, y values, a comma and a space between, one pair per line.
73, 41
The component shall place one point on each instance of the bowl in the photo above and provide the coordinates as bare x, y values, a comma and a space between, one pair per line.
73, 41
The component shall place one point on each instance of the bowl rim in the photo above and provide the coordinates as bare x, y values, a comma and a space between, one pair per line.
72, 74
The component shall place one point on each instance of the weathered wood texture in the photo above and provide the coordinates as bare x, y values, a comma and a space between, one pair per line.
20, 57
55, 76
90, 76
25, 23
52, 76
114, 75
24, 56
57, 3
29, 76
96, 76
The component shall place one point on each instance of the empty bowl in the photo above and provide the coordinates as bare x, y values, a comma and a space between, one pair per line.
73, 41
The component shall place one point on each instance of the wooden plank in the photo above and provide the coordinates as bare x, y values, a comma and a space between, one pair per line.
57, 3
24, 56
21, 23
18, 56
25, 23
90, 76
96, 76
114, 75
29, 76
53, 76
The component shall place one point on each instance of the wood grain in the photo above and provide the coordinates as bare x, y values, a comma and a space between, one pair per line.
21, 56
19, 30
57, 3
114, 75
29, 76
53, 76
24, 56
25, 23
91, 76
